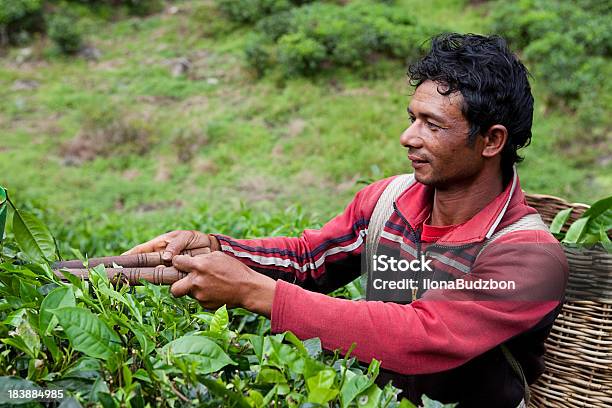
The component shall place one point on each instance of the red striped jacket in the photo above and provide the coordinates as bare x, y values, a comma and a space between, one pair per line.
444, 343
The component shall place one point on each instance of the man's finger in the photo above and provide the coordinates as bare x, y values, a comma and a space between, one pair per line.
139, 249
185, 263
177, 244
154, 245
182, 287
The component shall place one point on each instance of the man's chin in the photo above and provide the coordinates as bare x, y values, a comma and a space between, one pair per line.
422, 178
428, 180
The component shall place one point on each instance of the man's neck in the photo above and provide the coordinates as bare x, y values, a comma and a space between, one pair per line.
458, 204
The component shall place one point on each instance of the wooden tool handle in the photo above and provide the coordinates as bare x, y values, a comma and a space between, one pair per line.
160, 275
146, 260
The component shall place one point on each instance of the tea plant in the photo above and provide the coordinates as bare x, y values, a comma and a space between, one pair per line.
592, 228
107, 344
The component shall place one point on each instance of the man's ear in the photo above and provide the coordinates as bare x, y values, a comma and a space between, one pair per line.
494, 140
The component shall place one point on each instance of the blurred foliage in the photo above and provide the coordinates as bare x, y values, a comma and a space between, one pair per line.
65, 33
568, 47
251, 11
303, 40
19, 19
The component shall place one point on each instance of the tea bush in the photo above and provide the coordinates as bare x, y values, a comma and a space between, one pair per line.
19, 18
65, 33
567, 46
300, 54
251, 11
106, 344
302, 40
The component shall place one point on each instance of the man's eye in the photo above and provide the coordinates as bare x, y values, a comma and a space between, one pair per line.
412, 119
433, 126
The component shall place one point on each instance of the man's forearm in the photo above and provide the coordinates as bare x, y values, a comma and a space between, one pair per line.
260, 294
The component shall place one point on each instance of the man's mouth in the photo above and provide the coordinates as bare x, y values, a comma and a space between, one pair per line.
417, 162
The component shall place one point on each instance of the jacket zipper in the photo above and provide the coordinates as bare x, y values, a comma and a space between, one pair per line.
417, 239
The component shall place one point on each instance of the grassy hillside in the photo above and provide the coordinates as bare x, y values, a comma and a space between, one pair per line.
130, 147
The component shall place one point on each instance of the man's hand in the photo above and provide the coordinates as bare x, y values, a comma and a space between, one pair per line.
172, 243
217, 279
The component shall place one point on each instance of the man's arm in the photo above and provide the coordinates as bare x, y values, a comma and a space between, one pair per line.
440, 331
319, 260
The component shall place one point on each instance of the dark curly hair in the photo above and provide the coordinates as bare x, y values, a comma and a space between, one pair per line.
493, 82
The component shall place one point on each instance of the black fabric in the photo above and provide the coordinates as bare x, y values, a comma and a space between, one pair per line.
485, 381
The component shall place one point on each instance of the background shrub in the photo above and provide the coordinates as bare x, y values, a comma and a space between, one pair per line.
304, 39
18, 18
250, 11
300, 54
65, 33
567, 46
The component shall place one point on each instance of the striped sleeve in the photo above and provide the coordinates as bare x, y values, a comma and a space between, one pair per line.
320, 260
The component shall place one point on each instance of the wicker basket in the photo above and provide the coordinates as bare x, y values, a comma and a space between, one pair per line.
579, 349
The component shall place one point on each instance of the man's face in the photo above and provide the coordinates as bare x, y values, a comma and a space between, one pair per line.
437, 139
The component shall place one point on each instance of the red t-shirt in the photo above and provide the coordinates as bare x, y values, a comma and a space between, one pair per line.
432, 233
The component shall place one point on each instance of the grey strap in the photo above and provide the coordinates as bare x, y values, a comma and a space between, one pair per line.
380, 215
526, 223
529, 222
518, 370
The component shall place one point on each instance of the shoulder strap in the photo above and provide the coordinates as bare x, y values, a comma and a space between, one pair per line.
380, 215
529, 222
518, 370
382, 212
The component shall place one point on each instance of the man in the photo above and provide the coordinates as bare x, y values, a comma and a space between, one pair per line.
462, 214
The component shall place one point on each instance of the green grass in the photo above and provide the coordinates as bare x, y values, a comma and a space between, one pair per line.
257, 143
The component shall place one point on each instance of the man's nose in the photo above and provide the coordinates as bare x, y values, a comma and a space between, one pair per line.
410, 137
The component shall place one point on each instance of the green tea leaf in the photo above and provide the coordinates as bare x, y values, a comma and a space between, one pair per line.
219, 321
559, 221
406, 404
598, 207
28, 292
270, 376
24, 337
605, 240
204, 352
575, 231
70, 402
429, 403
9, 383
146, 344
257, 342
87, 333
33, 237
320, 387
370, 398
313, 347
282, 355
354, 385
292, 338
218, 388
50, 343
57, 298
278, 389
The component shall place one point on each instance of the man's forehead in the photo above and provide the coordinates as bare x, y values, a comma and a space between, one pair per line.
429, 95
